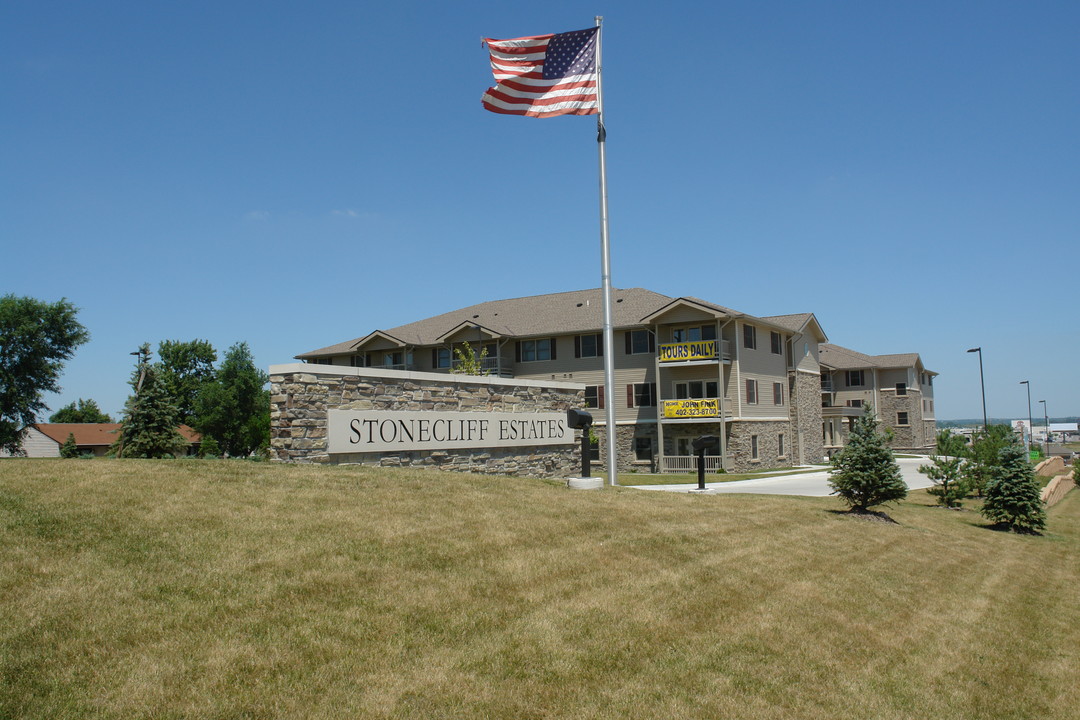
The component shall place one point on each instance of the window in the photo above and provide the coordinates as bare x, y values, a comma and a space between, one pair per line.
854, 378
639, 342
749, 337
594, 397
321, 361
751, 392
778, 393
777, 343
391, 359
753, 447
361, 360
901, 389
641, 395
854, 403
587, 346
696, 389
930, 381
440, 358
901, 418
693, 334
780, 445
642, 448
535, 350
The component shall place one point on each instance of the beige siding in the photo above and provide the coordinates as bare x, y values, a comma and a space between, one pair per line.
629, 370
686, 316
38, 444
764, 366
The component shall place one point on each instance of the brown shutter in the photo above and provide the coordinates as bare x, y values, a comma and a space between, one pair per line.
577, 346
600, 344
629, 342
629, 396
553, 344
517, 351
600, 397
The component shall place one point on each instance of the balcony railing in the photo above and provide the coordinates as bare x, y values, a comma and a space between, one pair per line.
826, 385
689, 464
490, 366
691, 351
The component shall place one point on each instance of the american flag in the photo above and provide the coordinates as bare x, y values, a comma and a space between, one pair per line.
544, 76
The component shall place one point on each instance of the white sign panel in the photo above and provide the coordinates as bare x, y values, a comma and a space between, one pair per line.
363, 431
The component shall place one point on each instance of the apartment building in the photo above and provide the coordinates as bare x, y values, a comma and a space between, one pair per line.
898, 387
684, 367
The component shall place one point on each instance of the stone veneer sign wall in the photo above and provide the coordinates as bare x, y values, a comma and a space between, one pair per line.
373, 416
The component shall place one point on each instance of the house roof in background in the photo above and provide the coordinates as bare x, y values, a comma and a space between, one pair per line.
96, 434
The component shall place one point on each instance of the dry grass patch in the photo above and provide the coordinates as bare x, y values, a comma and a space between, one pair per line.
225, 589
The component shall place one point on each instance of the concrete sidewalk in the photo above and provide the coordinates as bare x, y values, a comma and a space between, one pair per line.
815, 484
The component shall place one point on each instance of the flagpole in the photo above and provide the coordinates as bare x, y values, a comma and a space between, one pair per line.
605, 271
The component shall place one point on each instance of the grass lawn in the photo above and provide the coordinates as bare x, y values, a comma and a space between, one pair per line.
216, 589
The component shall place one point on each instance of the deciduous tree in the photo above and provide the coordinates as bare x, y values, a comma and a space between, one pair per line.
184, 368
234, 407
84, 411
984, 455
36, 338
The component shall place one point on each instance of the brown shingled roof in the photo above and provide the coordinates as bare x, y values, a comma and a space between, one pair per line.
538, 315
577, 311
842, 358
97, 434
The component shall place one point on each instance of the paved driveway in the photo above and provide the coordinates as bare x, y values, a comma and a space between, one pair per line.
815, 484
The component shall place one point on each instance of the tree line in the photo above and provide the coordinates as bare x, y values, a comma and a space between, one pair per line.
226, 403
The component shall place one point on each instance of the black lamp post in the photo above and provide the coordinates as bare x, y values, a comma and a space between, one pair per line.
1046, 419
982, 383
1031, 428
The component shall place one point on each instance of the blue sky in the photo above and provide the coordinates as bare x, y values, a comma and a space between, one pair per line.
293, 175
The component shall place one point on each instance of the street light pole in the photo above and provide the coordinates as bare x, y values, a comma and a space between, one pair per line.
1046, 419
1031, 428
982, 384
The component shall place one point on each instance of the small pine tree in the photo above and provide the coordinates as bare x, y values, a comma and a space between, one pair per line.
864, 472
148, 428
1012, 495
947, 474
69, 449
946, 469
209, 448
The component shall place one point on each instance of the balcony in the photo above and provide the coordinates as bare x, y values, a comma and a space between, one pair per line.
826, 384
491, 366
695, 351
841, 411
